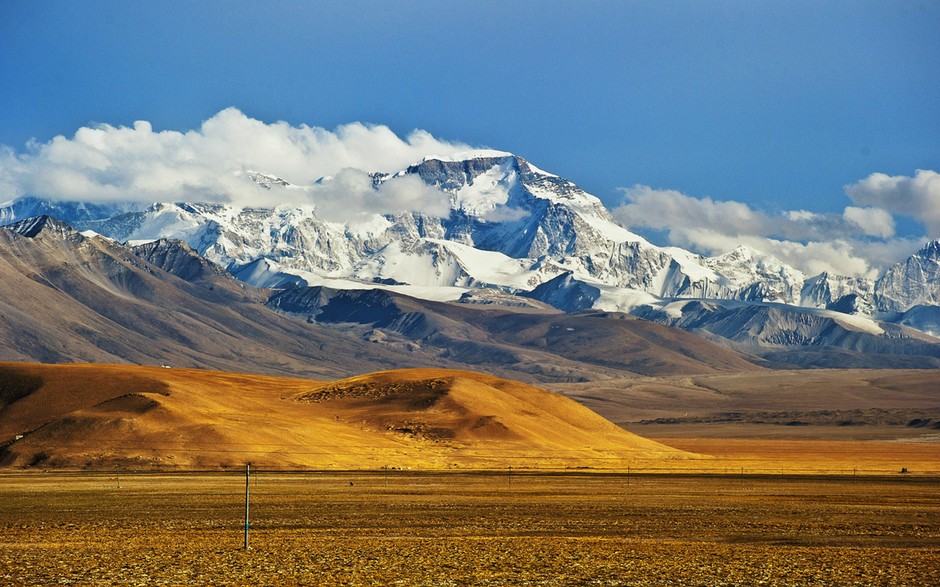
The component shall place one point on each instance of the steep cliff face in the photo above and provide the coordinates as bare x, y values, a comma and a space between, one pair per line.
825, 289
914, 282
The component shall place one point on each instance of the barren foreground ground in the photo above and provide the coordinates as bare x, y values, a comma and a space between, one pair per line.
478, 528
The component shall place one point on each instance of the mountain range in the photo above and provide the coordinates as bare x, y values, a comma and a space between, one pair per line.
516, 240
67, 297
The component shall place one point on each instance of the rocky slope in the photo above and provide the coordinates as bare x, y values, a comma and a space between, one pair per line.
914, 282
65, 297
68, 297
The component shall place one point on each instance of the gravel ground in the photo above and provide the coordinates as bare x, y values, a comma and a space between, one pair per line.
468, 529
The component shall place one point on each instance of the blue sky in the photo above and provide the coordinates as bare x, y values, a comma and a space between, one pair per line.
774, 105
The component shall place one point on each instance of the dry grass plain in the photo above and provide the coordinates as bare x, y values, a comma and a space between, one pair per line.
814, 421
759, 502
480, 528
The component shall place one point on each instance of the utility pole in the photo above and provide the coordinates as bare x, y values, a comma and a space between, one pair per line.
247, 495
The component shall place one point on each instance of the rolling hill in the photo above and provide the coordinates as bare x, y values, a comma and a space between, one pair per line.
544, 344
66, 297
117, 416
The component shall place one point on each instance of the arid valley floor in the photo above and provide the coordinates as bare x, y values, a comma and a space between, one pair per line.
136, 476
482, 528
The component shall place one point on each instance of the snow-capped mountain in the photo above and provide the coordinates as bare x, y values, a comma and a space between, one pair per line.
30, 207
511, 227
749, 275
763, 324
847, 295
923, 318
914, 282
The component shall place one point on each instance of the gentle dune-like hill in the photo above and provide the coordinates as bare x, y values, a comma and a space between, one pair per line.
109, 416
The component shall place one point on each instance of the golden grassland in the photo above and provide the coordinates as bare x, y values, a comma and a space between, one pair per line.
468, 528
106, 416
804, 456
433, 477
109, 417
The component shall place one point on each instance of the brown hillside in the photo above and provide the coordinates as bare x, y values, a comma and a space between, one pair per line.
107, 416
466, 408
68, 298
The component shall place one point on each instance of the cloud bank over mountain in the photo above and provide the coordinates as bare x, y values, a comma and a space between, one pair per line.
108, 163
918, 196
350, 198
859, 242
330, 170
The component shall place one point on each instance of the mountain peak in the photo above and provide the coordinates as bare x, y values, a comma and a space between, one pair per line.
931, 250
451, 172
566, 292
469, 155
266, 181
741, 252
44, 224
913, 282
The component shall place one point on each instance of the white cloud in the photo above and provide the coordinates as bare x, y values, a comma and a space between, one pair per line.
136, 163
917, 196
873, 221
673, 210
670, 209
349, 197
105, 163
503, 213
800, 215
858, 242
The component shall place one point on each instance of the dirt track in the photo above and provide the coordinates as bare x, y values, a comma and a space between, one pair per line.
469, 529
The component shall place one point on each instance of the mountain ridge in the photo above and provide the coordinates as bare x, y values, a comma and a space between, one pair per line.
513, 228
68, 297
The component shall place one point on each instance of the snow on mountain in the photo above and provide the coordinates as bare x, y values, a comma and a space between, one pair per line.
266, 181
753, 276
806, 322
825, 289
914, 282
466, 155
263, 272
451, 263
32, 227
29, 206
512, 227
923, 318
789, 335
